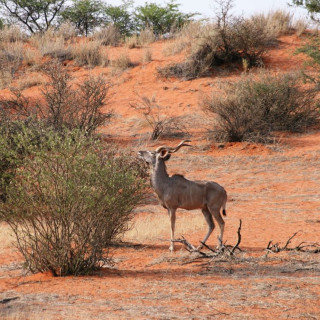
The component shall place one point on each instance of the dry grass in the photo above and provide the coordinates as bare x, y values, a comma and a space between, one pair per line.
147, 56
300, 26
185, 37
49, 44
12, 34
132, 42
108, 36
11, 57
121, 63
6, 236
89, 53
31, 56
146, 36
66, 31
276, 23
31, 80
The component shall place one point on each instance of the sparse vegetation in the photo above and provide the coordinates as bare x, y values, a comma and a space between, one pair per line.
229, 40
253, 109
63, 105
161, 125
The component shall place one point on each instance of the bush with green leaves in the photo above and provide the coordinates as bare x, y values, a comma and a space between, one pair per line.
69, 201
121, 17
161, 18
254, 108
84, 14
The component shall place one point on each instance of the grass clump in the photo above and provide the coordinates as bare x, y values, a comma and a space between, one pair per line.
253, 109
12, 34
52, 45
121, 63
108, 36
69, 200
88, 53
11, 57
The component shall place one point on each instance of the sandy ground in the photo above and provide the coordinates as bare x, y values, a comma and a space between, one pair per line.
273, 190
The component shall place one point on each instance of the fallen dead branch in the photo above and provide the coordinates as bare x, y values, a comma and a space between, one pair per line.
304, 246
222, 249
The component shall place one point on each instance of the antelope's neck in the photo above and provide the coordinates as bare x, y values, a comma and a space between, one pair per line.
159, 177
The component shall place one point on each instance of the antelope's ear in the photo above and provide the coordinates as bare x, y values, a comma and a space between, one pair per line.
167, 157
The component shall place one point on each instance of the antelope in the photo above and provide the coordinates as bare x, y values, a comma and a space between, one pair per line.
178, 192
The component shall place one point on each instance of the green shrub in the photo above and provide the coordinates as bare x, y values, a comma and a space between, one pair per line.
69, 201
161, 18
253, 109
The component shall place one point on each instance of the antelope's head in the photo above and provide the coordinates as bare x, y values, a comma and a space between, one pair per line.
162, 152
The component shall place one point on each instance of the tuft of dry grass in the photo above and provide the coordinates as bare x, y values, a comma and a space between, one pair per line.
31, 80
89, 53
185, 37
31, 56
147, 56
276, 23
300, 26
66, 31
108, 36
12, 34
132, 42
121, 63
146, 36
49, 44
11, 57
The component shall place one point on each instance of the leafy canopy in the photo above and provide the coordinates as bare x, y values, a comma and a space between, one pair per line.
84, 14
35, 15
161, 18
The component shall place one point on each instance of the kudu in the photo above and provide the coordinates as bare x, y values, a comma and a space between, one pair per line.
177, 192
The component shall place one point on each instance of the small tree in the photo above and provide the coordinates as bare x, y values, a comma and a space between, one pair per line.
35, 15
69, 201
121, 17
84, 14
161, 18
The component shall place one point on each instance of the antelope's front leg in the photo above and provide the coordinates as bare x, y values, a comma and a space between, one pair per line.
172, 214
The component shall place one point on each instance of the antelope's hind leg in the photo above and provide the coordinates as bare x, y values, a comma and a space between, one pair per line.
207, 215
217, 215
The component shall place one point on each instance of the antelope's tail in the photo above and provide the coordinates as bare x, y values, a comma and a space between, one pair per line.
224, 204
